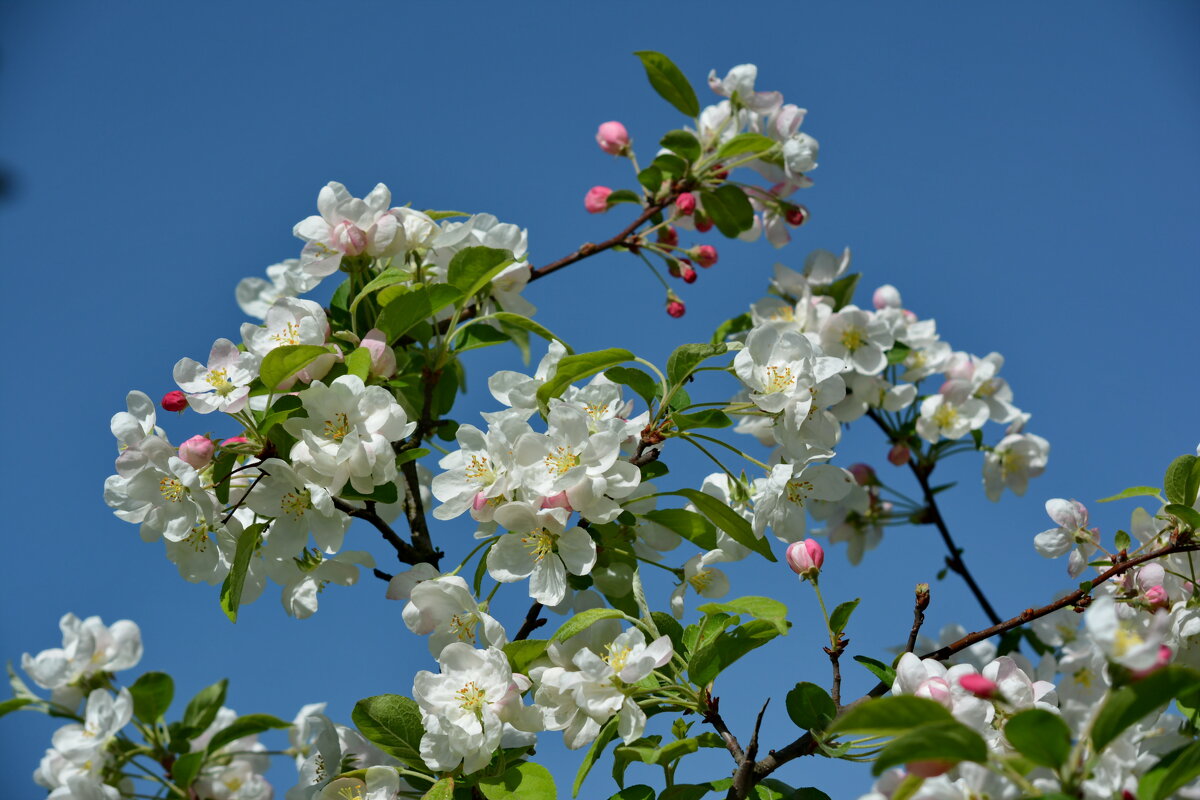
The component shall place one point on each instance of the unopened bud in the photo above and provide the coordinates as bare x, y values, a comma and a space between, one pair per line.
383, 358
557, 501
612, 138
197, 451
705, 255
687, 273
596, 200
922, 593
348, 238
864, 474
234, 440
703, 223
929, 769
719, 172
899, 454
1157, 597
685, 204
979, 686
796, 216
668, 236
479, 501
174, 401
805, 558
886, 296
676, 308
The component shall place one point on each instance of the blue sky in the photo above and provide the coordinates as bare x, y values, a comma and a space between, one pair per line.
1023, 172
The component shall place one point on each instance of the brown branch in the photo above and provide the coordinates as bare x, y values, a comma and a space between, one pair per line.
625, 238
404, 551
383, 576
954, 559
533, 621
919, 605
712, 716
744, 779
835, 663
414, 512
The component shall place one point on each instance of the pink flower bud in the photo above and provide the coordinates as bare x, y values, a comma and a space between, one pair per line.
232, 440
1157, 597
899, 454
719, 172
480, 501
668, 236
174, 401
349, 238
929, 769
864, 474
796, 216
979, 686
596, 201
383, 358
559, 500
612, 138
935, 689
805, 558
705, 255
909, 316
676, 308
961, 367
1164, 658
197, 451
703, 223
886, 296
687, 273
685, 204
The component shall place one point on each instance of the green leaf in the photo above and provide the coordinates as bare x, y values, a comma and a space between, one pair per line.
152, 693
877, 668
1134, 491
668, 626
186, 768
358, 363
669, 82
436, 215
507, 318
472, 337
577, 367
708, 662
728, 520
763, 608
640, 381
524, 652
742, 322
473, 268
670, 165
247, 725
442, 790
707, 418
13, 703
744, 144
812, 793
686, 791
651, 178
687, 357
841, 290
388, 277
383, 493
810, 707
1182, 480
400, 315
393, 723
524, 781
688, 524
887, 716
284, 362
608, 732
231, 588
222, 466
1186, 514
683, 144
1121, 540
202, 709
1040, 736
1127, 705
731, 212
652, 470
638, 792
841, 615
898, 353
948, 741
584, 620
622, 196
284, 407
1174, 771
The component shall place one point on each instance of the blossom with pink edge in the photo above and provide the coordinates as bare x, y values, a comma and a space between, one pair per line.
221, 385
805, 558
197, 451
1072, 532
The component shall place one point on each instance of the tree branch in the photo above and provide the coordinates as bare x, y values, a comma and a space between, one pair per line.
533, 621
712, 716
919, 605
744, 779
404, 551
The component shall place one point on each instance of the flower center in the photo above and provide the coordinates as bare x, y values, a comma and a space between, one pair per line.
617, 656
294, 505
463, 626
1127, 640
988, 388
596, 411
171, 489
471, 697
539, 543
289, 334
351, 792
479, 469
219, 380
853, 338
798, 491
338, 427
198, 538
780, 379
701, 580
945, 416
560, 460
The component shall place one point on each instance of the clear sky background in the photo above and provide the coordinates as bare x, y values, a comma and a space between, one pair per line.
1024, 172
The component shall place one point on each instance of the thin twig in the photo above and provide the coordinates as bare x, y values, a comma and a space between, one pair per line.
404, 551
533, 621
919, 605
383, 576
712, 716
744, 779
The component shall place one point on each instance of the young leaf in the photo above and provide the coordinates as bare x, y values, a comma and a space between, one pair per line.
392, 723
683, 144
152, 693
744, 144
709, 661
1176, 770
524, 781
13, 703
608, 732
1040, 736
841, 290
1182, 480
763, 608
584, 620
622, 196
638, 792
388, 277
186, 768
1186, 514
887, 716
947, 741
358, 363
688, 524
473, 268
810, 707
687, 357
1133, 491
729, 209
248, 725
640, 381
442, 790
841, 615
729, 521
877, 668
1127, 705
523, 652
577, 367
202, 709
507, 318
231, 588
284, 362
706, 418
669, 82
651, 178
398, 317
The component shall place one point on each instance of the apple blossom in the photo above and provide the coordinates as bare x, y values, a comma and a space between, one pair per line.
222, 385
596, 200
612, 138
